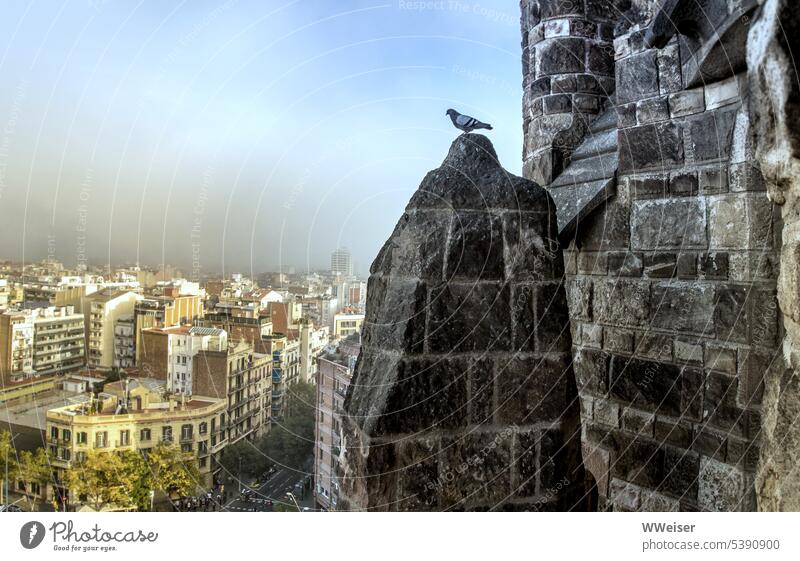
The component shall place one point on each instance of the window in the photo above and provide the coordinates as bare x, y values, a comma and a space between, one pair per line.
203, 462
66, 454
203, 428
186, 432
54, 433
101, 439
166, 434
66, 435
80, 457
124, 437
186, 447
145, 435
82, 438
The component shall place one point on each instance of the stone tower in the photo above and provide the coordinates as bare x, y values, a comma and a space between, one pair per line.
568, 73
463, 397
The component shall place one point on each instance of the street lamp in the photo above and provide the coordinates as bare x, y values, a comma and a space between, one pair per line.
291, 496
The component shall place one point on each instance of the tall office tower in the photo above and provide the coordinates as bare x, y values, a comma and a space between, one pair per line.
342, 262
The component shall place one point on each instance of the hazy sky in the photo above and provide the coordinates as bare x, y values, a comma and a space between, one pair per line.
240, 135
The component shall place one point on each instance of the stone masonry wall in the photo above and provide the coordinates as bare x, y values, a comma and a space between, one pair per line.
463, 397
672, 295
568, 72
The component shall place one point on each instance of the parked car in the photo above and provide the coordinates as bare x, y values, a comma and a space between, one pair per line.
10, 508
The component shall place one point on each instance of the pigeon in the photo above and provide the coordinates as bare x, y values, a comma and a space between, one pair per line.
465, 122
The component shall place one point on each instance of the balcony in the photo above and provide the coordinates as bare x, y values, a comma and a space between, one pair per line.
277, 375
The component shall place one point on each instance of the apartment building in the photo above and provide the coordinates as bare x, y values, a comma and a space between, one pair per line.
285, 360
241, 321
165, 311
345, 325
333, 379
16, 346
168, 353
136, 414
241, 376
40, 341
58, 340
102, 310
125, 342
312, 343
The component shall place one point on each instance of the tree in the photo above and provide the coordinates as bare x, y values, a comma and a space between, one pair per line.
99, 479
7, 457
33, 468
291, 442
174, 472
246, 455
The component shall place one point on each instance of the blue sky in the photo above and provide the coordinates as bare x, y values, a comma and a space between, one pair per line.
241, 135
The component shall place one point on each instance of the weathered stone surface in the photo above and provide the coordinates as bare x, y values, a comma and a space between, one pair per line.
724, 488
669, 223
465, 346
653, 146
637, 77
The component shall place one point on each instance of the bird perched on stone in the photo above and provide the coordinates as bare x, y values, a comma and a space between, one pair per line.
465, 122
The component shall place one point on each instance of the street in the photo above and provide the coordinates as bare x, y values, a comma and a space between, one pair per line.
274, 489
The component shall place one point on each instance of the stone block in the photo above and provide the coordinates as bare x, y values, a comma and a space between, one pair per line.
668, 431
416, 248
560, 56
753, 368
402, 304
427, 395
720, 358
590, 368
692, 391
660, 265
724, 92
669, 69
600, 59
476, 466
475, 247
646, 384
469, 317
652, 110
730, 313
592, 263
591, 335
580, 298
586, 103
564, 84
621, 302
648, 186
606, 412
618, 340
682, 306
687, 265
688, 102
719, 405
745, 176
558, 103
639, 422
531, 247
552, 318
713, 265
670, 223
654, 345
740, 222
532, 390
713, 181
637, 77
688, 352
625, 496
625, 264
724, 488
653, 146
683, 183
680, 473
711, 134
710, 443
